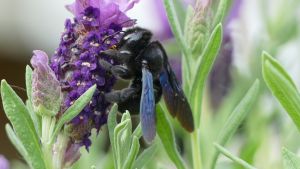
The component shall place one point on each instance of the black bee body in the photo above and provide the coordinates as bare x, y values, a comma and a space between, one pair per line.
145, 63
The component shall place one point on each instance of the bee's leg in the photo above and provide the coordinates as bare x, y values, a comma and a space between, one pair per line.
121, 56
157, 89
120, 71
120, 96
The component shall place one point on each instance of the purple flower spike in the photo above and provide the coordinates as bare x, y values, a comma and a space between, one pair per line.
96, 27
110, 11
4, 164
46, 91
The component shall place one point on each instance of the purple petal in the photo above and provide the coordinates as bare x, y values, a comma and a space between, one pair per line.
39, 57
126, 5
4, 164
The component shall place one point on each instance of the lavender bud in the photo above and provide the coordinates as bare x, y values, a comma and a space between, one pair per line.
199, 25
46, 90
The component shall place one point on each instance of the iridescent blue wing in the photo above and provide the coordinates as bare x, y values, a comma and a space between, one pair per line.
174, 97
147, 106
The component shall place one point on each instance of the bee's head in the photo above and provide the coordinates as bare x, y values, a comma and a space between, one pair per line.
136, 38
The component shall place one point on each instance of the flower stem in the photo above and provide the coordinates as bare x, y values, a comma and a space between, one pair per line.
59, 150
48, 124
197, 164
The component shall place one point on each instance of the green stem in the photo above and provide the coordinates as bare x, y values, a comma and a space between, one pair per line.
48, 124
197, 164
59, 150
47, 150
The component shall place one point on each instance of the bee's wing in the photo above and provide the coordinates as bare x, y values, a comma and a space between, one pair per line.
147, 106
174, 97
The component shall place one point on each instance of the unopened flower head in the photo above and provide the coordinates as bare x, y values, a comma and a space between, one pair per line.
46, 90
199, 24
95, 28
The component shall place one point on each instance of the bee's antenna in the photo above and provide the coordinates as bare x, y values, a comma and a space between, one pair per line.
18, 88
130, 20
112, 35
121, 31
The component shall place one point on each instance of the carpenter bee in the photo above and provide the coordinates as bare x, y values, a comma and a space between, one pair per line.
146, 64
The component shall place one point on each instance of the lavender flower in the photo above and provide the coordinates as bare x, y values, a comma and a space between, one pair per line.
4, 164
46, 91
95, 28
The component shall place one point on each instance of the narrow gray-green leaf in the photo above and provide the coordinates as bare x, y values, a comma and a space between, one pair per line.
282, 87
28, 79
118, 143
131, 156
175, 25
203, 68
35, 118
23, 126
124, 139
125, 116
111, 124
276, 64
167, 137
74, 110
233, 157
138, 131
176, 29
221, 11
17, 143
146, 156
235, 119
290, 160
33, 115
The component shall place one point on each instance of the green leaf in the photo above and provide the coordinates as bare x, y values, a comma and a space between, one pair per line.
203, 68
221, 11
118, 142
35, 118
131, 156
124, 139
276, 64
166, 135
17, 143
233, 157
186, 60
235, 119
111, 124
74, 110
28, 79
290, 160
146, 156
282, 87
176, 29
33, 115
23, 126
138, 131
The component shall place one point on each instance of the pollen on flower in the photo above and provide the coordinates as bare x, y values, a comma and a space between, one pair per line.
86, 64
94, 44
